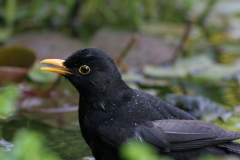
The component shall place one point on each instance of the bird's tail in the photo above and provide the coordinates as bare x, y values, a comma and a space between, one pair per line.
232, 147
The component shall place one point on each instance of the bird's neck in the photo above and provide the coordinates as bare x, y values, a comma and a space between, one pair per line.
113, 96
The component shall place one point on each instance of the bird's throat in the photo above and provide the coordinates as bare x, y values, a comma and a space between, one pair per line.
107, 100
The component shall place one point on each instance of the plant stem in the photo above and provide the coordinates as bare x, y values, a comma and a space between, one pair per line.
180, 45
125, 52
217, 50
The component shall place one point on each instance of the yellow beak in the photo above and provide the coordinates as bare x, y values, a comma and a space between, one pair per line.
57, 62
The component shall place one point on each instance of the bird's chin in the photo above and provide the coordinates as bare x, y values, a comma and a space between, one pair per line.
57, 62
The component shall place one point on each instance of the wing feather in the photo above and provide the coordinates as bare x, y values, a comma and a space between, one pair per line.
183, 135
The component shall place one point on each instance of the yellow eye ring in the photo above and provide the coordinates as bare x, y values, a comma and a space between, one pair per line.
84, 69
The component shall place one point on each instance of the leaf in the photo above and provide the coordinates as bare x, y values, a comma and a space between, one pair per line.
40, 76
216, 73
28, 144
132, 77
8, 102
136, 150
195, 62
10, 12
181, 69
174, 72
5, 33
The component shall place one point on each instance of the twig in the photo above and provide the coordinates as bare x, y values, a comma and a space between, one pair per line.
206, 12
201, 23
125, 52
181, 84
183, 40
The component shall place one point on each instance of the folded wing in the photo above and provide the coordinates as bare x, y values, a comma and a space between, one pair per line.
180, 135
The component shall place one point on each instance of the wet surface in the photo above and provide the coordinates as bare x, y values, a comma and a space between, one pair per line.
68, 144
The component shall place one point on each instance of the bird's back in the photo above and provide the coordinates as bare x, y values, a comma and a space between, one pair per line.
146, 102
145, 107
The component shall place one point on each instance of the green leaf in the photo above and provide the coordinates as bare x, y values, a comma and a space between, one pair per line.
5, 33
216, 73
40, 76
156, 72
8, 102
28, 145
10, 12
136, 150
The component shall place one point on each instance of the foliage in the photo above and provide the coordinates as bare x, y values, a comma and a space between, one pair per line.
83, 19
28, 145
136, 150
39, 76
199, 75
8, 96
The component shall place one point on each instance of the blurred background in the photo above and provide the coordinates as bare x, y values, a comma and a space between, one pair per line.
186, 52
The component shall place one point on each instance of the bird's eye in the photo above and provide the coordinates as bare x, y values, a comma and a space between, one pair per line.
84, 69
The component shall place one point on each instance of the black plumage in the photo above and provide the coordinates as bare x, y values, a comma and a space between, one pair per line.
110, 113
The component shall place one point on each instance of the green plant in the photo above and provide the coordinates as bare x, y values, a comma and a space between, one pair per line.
136, 150
8, 97
28, 145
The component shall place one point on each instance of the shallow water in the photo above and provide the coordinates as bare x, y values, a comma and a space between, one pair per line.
68, 144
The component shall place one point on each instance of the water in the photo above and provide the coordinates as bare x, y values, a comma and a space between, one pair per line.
68, 144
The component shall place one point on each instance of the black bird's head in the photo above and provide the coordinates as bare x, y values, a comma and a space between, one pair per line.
91, 71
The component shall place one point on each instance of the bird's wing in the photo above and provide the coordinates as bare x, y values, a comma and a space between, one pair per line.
117, 135
154, 135
184, 134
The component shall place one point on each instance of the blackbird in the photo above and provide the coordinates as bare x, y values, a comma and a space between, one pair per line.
110, 113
